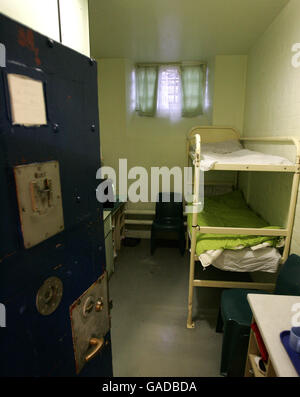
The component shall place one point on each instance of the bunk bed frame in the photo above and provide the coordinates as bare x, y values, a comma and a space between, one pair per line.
211, 134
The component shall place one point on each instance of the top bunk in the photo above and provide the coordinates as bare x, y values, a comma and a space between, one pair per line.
222, 148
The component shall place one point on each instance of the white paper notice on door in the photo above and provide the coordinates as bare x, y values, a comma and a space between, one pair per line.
27, 100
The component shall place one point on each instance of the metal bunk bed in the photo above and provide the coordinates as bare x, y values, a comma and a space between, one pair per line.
212, 134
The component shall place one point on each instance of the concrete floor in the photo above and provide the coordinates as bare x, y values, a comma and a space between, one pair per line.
149, 334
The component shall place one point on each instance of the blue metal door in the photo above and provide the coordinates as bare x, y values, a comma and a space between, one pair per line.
36, 343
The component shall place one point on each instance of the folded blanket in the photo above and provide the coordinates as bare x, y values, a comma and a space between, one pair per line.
229, 210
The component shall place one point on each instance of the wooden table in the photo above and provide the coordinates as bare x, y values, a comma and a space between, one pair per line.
272, 314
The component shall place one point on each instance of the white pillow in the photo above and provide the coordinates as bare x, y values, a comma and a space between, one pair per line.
222, 147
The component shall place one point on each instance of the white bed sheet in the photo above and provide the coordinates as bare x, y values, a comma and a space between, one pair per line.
244, 156
264, 259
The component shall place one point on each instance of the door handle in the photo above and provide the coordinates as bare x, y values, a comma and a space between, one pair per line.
98, 343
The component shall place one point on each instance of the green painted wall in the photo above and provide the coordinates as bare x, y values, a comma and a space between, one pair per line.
229, 90
273, 109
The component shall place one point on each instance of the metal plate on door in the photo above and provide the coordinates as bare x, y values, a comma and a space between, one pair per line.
49, 296
90, 322
40, 202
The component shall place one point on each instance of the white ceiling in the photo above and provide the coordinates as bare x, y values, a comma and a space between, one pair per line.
174, 30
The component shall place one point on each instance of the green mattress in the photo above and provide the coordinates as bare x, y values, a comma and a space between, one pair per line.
229, 210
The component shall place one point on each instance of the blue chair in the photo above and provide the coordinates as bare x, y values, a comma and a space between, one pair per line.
235, 316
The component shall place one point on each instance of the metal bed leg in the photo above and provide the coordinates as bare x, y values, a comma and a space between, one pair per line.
190, 323
187, 241
291, 215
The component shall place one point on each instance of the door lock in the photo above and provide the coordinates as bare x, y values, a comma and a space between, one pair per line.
99, 305
90, 305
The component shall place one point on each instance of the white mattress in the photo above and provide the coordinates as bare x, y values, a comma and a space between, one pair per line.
243, 156
265, 259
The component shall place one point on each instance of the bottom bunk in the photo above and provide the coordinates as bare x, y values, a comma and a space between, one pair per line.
240, 253
231, 252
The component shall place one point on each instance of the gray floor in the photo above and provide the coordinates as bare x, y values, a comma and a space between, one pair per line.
149, 334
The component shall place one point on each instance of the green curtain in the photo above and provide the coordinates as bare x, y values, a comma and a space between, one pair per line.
146, 85
192, 80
